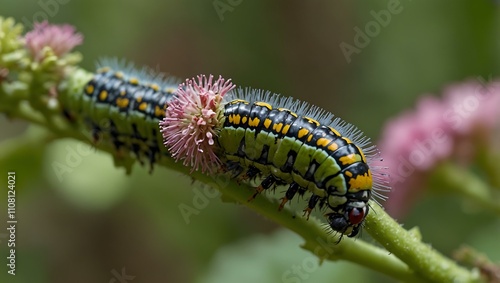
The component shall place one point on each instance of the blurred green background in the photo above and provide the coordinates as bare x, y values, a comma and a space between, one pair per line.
94, 223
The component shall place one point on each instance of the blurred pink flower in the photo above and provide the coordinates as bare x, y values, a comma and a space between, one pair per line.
439, 129
475, 107
60, 38
191, 121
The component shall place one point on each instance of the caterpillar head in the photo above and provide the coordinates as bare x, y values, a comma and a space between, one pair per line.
348, 217
349, 222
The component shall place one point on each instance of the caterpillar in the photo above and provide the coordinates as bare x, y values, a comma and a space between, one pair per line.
288, 142
249, 134
123, 106
281, 141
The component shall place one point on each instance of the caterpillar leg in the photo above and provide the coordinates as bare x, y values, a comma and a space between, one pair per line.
290, 193
250, 174
96, 135
266, 184
312, 203
234, 167
136, 149
152, 158
137, 142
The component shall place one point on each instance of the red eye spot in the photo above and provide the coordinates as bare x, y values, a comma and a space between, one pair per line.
356, 215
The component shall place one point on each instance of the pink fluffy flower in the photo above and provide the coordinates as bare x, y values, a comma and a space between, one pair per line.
439, 129
475, 107
60, 38
192, 121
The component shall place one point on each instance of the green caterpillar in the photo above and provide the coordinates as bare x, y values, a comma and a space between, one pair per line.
124, 107
294, 149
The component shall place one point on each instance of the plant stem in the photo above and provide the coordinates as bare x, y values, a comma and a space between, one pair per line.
449, 177
420, 257
318, 240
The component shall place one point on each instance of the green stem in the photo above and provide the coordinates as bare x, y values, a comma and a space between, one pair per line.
488, 161
449, 177
420, 257
318, 240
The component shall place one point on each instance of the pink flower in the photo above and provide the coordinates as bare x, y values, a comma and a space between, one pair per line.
439, 129
192, 121
60, 38
475, 106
